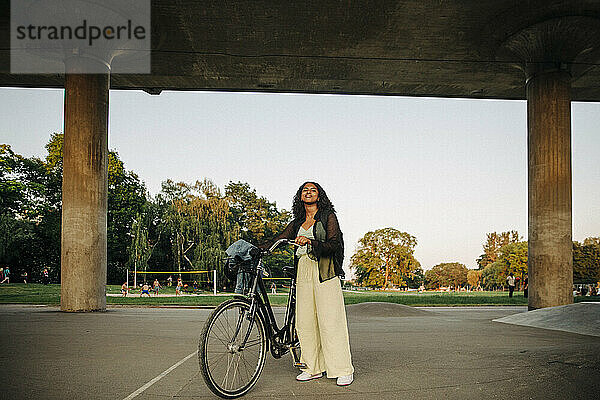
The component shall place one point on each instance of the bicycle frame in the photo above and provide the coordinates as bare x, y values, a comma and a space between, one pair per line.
281, 339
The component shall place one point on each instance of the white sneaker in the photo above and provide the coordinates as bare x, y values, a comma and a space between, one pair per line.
305, 376
345, 380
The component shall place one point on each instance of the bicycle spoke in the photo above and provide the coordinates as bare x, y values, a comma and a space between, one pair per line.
224, 383
254, 342
218, 358
247, 367
220, 340
235, 369
227, 370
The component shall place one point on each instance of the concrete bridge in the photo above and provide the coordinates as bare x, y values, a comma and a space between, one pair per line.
543, 51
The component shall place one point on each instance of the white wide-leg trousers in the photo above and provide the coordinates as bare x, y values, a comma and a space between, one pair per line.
321, 322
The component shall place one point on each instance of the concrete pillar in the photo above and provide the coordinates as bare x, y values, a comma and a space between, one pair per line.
550, 260
84, 191
552, 53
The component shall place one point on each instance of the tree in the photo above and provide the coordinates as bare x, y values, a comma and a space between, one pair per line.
446, 274
127, 198
258, 218
586, 261
591, 241
494, 242
511, 257
415, 279
198, 224
259, 221
385, 256
31, 192
29, 215
141, 248
490, 276
473, 277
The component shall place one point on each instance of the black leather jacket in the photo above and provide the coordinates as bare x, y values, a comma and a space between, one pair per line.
327, 248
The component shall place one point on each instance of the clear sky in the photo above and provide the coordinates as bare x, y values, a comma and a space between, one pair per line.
444, 170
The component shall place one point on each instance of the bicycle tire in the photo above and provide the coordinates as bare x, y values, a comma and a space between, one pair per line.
217, 354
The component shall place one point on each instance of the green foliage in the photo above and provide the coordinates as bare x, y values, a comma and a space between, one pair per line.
586, 261
474, 278
385, 256
490, 276
30, 192
511, 257
258, 218
259, 221
494, 242
446, 274
29, 215
127, 199
190, 225
197, 222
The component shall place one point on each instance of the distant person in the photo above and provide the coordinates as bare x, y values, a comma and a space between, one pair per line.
156, 287
25, 277
511, 284
145, 290
124, 289
178, 287
45, 276
526, 287
6, 275
170, 281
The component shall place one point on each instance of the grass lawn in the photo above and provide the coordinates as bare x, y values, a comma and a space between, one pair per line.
19, 293
430, 299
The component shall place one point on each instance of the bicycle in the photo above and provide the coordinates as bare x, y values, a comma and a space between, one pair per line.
235, 338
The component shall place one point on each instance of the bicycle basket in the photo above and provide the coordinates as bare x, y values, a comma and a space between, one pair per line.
235, 265
243, 257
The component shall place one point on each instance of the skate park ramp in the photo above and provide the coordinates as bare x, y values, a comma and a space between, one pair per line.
582, 318
383, 309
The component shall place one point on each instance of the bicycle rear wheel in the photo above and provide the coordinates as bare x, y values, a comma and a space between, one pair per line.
229, 371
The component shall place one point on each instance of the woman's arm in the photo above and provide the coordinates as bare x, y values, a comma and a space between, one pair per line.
288, 233
333, 241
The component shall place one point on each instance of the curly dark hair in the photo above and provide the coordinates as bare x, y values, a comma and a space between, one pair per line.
323, 203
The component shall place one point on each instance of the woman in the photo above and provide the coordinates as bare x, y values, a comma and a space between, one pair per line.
320, 313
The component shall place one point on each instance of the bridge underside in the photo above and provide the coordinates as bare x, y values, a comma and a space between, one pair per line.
402, 47
546, 52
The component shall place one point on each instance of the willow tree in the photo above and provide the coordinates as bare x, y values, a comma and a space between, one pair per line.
200, 225
140, 249
385, 256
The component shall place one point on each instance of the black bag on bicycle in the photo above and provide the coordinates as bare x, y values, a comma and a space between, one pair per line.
241, 263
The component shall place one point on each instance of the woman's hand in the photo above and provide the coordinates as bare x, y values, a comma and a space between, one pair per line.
302, 240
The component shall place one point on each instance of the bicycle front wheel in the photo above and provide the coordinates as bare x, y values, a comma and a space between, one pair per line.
230, 370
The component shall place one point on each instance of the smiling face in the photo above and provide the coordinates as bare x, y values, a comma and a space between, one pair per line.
310, 193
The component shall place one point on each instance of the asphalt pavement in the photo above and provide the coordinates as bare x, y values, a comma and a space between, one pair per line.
398, 353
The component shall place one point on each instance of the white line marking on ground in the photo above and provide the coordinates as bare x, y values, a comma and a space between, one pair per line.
159, 377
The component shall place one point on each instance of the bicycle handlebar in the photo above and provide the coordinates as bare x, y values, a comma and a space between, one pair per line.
277, 243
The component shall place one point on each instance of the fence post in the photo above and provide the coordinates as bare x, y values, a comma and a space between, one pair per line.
215, 282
